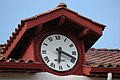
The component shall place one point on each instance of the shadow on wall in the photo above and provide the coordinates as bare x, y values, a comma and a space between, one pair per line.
38, 76
43, 76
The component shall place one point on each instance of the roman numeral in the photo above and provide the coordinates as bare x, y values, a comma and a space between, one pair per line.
65, 39
52, 65
46, 59
73, 52
68, 65
60, 68
57, 37
50, 39
45, 44
71, 45
43, 51
73, 60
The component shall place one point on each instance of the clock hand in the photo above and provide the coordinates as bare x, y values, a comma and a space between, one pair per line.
59, 55
60, 50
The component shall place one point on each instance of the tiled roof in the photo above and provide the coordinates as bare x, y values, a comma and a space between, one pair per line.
103, 58
97, 61
12, 65
94, 58
21, 25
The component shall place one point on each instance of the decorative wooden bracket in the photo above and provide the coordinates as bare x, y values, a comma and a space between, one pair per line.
62, 20
84, 33
38, 29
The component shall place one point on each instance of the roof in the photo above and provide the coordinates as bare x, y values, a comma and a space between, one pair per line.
103, 57
97, 61
18, 65
60, 6
94, 58
24, 26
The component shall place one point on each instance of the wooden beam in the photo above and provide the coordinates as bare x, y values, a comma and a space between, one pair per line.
38, 29
62, 20
84, 33
20, 67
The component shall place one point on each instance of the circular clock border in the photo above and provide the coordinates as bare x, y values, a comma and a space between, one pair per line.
72, 37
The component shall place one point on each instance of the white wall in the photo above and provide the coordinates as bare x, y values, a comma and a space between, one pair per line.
44, 76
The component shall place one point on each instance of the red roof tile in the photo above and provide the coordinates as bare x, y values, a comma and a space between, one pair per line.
97, 61
94, 58
103, 57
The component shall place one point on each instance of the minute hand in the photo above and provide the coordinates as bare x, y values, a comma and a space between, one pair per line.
59, 50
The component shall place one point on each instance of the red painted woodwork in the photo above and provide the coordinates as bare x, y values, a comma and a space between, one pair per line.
84, 33
25, 41
78, 68
20, 67
62, 20
29, 54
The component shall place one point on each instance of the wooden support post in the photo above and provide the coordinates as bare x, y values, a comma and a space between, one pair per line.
62, 20
84, 33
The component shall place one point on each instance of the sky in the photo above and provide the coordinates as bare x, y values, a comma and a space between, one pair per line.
106, 12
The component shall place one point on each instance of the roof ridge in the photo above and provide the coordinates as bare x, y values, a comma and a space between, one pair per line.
105, 49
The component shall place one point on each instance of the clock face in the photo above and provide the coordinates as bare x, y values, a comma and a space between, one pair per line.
59, 52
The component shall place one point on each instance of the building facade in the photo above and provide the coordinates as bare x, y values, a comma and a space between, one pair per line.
56, 45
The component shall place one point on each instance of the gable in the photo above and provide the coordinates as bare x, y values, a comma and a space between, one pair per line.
71, 18
20, 48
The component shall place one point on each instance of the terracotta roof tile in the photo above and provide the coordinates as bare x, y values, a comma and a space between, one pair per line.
11, 39
94, 58
103, 57
2, 59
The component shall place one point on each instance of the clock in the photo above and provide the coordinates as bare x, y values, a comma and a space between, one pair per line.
59, 52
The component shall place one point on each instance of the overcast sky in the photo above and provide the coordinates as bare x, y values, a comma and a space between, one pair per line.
103, 11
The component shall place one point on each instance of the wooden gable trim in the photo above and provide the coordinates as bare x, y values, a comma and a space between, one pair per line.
87, 23
29, 24
44, 18
84, 22
15, 41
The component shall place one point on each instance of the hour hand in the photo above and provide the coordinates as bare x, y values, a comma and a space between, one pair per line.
63, 52
59, 55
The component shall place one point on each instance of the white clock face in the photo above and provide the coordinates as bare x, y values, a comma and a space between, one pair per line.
59, 52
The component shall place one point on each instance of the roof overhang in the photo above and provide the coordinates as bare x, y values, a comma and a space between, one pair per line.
20, 66
100, 71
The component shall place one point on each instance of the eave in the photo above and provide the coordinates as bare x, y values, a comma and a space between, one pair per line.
100, 71
20, 67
